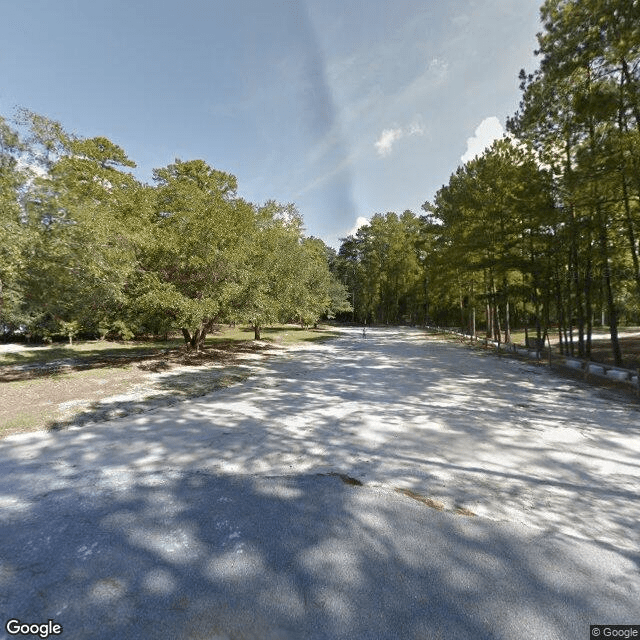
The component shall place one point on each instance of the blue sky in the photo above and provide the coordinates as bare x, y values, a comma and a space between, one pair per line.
345, 107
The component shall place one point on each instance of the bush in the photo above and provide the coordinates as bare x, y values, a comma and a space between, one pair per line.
117, 330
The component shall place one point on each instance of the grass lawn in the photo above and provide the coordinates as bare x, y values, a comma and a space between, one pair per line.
600, 344
85, 349
96, 349
597, 333
35, 400
286, 334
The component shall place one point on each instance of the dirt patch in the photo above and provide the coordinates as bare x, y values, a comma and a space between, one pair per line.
430, 502
354, 482
32, 404
434, 504
96, 389
630, 347
220, 352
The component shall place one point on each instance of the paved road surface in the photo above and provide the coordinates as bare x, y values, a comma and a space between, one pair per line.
220, 518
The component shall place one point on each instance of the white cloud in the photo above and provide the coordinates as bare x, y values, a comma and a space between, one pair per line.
360, 222
415, 129
439, 68
487, 131
388, 137
384, 143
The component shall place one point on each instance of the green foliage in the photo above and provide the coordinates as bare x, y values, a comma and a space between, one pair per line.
581, 110
284, 276
79, 256
13, 238
191, 249
544, 226
87, 249
542, 229
381, 266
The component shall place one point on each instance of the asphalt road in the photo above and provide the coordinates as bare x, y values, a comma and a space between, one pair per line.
121, 531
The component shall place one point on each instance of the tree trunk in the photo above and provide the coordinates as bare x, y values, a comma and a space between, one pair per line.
571, 341
536, 307
473, 323
560, 341
256, 332
507, 322
630, 232
604, 251
472, 303
622, 127
574, 267
559, 309
507, 315
204, 330
497, 330
629, 81
546, 311
196, 340
588, 296
611, 306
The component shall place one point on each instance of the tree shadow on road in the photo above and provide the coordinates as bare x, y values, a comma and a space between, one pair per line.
471, 432
197, 555
105, 527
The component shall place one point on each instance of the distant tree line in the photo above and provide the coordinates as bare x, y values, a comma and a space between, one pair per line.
542, 230
87, 249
